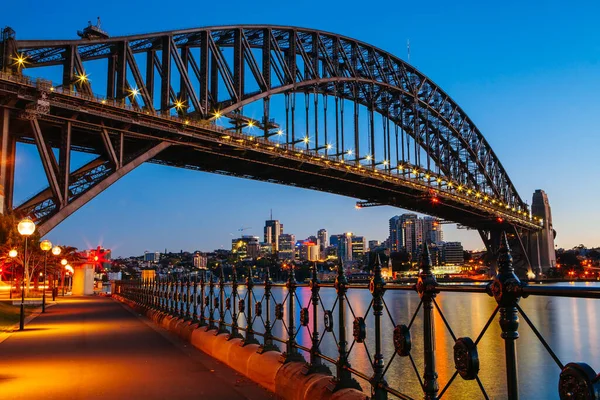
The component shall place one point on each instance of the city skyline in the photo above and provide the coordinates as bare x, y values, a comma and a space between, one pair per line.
492, 69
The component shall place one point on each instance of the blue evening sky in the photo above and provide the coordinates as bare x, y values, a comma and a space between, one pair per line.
527, 73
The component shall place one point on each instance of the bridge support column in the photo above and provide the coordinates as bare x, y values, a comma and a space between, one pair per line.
7, 162
541, 248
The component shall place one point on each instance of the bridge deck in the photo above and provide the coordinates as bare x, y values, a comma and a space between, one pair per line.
94, 348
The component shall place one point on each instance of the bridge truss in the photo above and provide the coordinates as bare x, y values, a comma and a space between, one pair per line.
280, 104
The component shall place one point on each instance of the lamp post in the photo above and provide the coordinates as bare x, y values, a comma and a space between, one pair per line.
46, 246
64, 263
56, 252
26, 228
12, 254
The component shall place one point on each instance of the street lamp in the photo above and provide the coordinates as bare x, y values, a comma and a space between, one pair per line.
63, 262
12, 254
56, 252
26, 227
68, 273
46, 246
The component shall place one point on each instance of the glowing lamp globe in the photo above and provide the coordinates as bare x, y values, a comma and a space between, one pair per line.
45, 245
26, 227
13, 253
63, 262
56, 250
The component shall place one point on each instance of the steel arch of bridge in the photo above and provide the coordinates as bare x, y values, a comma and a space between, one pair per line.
202, 74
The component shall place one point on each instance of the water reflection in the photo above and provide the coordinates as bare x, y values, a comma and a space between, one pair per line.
569, 325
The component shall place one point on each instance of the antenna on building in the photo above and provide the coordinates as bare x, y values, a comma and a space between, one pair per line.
408, 49
271, 214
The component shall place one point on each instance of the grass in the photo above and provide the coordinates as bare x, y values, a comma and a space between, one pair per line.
9, 314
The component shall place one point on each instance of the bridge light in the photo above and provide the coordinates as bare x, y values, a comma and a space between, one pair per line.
20, 60
368, 157
493, 201
306, 139
485, 198
477, 194
349, 152
459, 188
279, 132
450, 184
329, 146
250, 124
500, 220
178, 105
134, 92
385, 162
103, 101
439, 180
217, 115
426, 176
469, 191
82, 78
52, 88
415, 171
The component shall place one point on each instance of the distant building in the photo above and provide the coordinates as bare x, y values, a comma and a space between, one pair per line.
200, 260
395, 238
374, 244
287, 244
452, 253
345, 247
432, 230
334, 240
245, 246
309, 251
323, 243
272, 231
151, 257
358, 248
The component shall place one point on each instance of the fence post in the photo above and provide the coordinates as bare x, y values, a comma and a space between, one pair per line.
195, 301
315, 365
377, 289
343, 377
187, 299
506, 289
222, 326
202, 321
235, 333
426, 287
291, 351
211, 302
269, 344
250, 338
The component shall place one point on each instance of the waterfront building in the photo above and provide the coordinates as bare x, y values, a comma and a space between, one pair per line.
323, 243
452, 253
412, 232
273, 229
334, 240
345, 247
287, 244
396, 241
374, 244
308, 251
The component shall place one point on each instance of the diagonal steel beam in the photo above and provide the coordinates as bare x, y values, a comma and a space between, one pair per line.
48, 160
137, 76
185, 79
85, 197
112, 154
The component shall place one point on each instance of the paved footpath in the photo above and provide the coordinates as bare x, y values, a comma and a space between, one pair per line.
96, 348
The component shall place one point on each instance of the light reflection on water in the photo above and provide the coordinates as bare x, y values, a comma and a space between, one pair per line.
569, 325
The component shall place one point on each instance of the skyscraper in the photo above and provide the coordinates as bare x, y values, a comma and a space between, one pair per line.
412, 232
396, 239
345, 247
322, 235
272, 231
432, 230
358, 247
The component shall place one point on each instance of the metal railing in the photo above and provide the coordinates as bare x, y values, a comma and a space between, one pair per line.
215, 304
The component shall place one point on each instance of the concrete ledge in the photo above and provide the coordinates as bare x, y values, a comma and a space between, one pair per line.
285, 380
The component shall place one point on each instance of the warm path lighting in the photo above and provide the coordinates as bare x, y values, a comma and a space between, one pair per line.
56, 251
46, 246
26, 227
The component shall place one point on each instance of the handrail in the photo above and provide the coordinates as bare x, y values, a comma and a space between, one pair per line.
576, 380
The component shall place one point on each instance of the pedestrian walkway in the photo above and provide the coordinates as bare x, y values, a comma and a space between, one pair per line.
95, 348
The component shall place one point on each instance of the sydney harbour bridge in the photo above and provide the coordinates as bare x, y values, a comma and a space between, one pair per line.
279, 104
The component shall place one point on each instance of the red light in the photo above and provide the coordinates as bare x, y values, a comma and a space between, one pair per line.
435, 200
500, 220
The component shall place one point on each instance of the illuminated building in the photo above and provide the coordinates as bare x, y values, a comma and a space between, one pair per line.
152, 257
432, 230
309, 251
452, 253
273, 229
246, 246
358, 247
200, 260
322, 235
286, 246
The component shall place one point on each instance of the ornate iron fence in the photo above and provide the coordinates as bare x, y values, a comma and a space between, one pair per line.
235, 309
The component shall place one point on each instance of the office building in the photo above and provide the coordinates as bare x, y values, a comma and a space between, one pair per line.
358, 247
395, 238
287, 243
271, 232
308, 251
452, 253
200, 260
323, 243
245, 246
432, 230
153, 257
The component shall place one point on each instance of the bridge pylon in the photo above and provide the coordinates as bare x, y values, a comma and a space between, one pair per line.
541, 249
